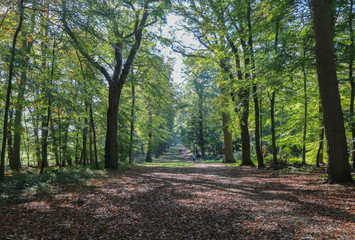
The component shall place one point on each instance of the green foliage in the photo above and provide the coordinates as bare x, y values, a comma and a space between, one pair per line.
32, 183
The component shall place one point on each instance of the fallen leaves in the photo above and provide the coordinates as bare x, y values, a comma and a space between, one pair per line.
209, 201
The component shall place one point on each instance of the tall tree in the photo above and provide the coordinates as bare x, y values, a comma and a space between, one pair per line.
9, 88
338, 162
112, 13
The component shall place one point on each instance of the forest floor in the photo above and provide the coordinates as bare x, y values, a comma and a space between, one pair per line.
178, 199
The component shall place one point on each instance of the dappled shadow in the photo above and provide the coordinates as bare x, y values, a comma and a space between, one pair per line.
203, 202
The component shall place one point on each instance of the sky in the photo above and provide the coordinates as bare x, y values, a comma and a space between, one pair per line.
182, 36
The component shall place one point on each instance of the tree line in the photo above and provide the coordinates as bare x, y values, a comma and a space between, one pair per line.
84, 81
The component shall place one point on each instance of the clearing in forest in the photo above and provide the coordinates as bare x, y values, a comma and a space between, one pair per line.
178, 199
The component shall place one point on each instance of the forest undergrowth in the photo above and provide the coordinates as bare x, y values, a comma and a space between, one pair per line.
178, 199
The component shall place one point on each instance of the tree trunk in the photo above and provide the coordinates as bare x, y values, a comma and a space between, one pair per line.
10, 148
257, 114
244, 116
352, 86
338, 162
200, 126
45, 130
111, 160
320, 148
65, 145
148, 157
27, 47
273, 132
130, 155
8, 92
228, 141
94, 136
305, 114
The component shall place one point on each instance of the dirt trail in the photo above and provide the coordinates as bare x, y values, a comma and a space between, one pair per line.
200, 201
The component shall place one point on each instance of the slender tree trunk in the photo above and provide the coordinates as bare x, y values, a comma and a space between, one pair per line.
261, 122
65, 145
94, 135
45, 130
132, 124
273, 132
352, 85
228, 141
244, 97
10, 147
305, 116
84, 156
338, 161
37, 140
9, 88
27, 47
148, 157
77, 146
257, 115
320, 148
200, 126
280, 136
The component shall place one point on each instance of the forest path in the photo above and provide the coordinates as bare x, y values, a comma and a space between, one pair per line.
183, 200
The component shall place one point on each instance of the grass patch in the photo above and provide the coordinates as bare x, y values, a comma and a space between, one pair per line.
175, 164
28, 184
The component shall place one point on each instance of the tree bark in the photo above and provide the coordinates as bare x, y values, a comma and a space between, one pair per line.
94, 135
228, 141
8, 92
27, 47
130, 154
244, 116
352, 85
320, 151
200, 125
338, 162
273, 132
148, 157
111, 160
305, 116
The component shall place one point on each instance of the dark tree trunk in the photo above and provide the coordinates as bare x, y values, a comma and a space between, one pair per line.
305, 116
257, 113
10, 147
118, 78
37, 140
244, 97
200, 126
111, 160
228, 142
148, 157
132, 124
45, 130
94, 135
273, 132
84, 155
338, 161
8, 92
65, 145
27, 46
320, 148
352, 86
